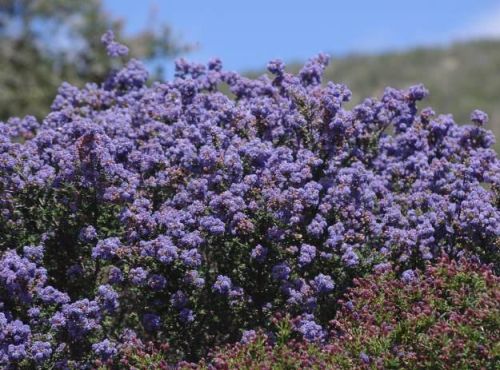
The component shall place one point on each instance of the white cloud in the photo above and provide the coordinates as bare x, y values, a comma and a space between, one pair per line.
486, 25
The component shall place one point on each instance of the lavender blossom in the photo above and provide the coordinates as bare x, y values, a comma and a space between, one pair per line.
222, 285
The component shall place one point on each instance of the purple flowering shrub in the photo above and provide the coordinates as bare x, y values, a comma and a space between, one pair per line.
187, 215
446, 317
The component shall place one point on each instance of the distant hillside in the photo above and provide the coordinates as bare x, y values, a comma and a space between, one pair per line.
461, 77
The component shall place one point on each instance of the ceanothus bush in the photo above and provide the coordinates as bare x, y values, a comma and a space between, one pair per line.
190, 210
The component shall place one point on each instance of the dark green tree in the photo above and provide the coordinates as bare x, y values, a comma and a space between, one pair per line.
45, 42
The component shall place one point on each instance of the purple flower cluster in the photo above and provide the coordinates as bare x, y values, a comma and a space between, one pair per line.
77, 319
323, 283
20, 278
17, 343
113, 48
108, 298
310, 330
222, 285
15, 340
106, 249
176, 206
248, 336
105, 349
41, 351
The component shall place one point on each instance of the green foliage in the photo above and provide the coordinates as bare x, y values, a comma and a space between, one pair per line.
44, 42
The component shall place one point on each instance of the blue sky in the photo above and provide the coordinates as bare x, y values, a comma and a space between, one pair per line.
246, 34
